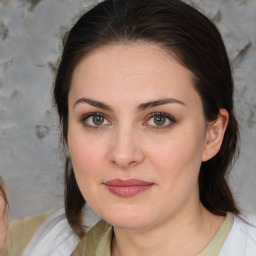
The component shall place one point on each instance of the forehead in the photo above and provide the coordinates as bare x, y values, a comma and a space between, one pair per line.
136, 70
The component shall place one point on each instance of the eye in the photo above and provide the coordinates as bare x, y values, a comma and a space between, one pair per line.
94, 120
160, 120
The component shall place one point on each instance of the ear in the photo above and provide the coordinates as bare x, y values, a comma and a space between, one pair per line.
215, 135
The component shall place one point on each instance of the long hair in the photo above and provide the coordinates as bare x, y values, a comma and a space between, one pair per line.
194, 39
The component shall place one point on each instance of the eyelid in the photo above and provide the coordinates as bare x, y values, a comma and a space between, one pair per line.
168, 116
148, 117
86, 116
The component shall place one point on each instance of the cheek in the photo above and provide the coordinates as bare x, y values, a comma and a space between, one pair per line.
177, 164
86, 155
174, 151
179, 156
87, 164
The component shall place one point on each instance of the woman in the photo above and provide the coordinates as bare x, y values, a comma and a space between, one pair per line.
3, 214
144, 93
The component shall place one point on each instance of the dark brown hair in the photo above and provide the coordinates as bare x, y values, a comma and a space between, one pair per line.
197, 44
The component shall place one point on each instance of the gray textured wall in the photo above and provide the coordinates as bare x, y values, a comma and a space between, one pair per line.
30, 32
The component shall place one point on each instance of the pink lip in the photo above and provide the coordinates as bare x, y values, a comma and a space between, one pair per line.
127, 188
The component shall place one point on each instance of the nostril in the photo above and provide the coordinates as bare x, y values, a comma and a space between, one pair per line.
131, 163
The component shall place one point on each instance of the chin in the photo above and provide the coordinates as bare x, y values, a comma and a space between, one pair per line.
127, 219
127, 223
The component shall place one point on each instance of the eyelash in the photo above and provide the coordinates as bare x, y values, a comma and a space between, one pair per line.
93, 114
161, 114
170, 118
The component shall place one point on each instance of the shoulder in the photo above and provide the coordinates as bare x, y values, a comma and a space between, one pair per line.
246, 226
20, 232
53, 237
97, 240
45, 234
242, 237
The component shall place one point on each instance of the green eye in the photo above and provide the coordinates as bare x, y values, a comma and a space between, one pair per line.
159, 120
95, 120
98, 120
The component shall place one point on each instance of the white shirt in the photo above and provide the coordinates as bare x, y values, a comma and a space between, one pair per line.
55, 237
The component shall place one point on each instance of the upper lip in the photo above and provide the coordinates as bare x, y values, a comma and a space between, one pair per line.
127, 183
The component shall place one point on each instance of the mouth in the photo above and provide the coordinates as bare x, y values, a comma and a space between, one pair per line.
127, 188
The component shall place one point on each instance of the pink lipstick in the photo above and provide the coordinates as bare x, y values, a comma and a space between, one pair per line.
127, 188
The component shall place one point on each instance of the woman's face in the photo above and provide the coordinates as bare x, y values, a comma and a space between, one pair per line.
136, 134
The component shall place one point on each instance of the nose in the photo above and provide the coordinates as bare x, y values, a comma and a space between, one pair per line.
126, 150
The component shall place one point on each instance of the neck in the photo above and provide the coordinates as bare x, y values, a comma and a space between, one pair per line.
182, 234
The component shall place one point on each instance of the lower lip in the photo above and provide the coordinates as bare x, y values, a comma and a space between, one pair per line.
128, 191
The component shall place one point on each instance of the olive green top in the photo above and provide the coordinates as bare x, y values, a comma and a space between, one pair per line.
20, 232
97, 241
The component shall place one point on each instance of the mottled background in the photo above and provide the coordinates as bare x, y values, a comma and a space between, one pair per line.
30, 43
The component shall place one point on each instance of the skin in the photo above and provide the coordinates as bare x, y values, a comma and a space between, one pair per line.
3, 221
168, 218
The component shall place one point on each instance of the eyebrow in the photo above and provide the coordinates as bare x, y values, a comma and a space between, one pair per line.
159, 102
94, 103
141, 107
